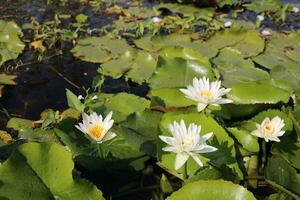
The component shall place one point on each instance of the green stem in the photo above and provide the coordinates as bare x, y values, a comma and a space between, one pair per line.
264, 149
100, 151
279, 187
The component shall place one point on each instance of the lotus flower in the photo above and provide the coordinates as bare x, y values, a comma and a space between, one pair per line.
186, 142
96, 128
205, 93
269, 129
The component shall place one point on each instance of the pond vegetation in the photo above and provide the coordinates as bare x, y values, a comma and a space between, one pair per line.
149, 99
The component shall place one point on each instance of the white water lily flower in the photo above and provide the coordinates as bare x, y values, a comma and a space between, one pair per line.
227, 24
156, 19
80, 97
260, 17
270, 129
186, 142
97, 128
295, 9
95, 97
266, 32
205, 93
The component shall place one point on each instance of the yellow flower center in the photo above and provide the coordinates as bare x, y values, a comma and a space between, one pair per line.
96, 131
206, 93
268, 128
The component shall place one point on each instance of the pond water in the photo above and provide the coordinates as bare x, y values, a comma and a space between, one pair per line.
41, 85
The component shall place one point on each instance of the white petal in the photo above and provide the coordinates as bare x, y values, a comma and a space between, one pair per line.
108, 116
224, 101
180, 159
207, 149
201, 106
108, 136
168, 140
280, 133
276, 139
197, 159
256, 133
206, 136
170, 149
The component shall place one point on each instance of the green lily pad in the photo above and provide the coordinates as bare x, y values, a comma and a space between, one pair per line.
124, 104
138, 66
288, 149
277, 52
251, 45
257, 93
279, 171
211, 190
145, 124
10, 44
235, 69
263, 6
288, 75
99, 49
46, 171
178, 72
172, 97
19, 123
244, 137
187, 10
227, 37
155, 43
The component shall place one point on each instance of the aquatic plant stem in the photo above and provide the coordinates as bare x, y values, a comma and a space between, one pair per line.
100, 151
279, 187
264, 157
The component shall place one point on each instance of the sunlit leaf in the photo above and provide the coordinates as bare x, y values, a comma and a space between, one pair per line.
46, 171
211, 190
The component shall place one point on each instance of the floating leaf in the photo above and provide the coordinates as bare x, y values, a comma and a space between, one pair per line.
277, 50
138, 66
289, 150
235, 69
183, 70
244, 137
211, 190
19, 123
263, 6
124, 104
227, 37
279, 171
251, 45
172, 97
37, 135
155, 43
145, 125
10, 44
46, 171
254, 93
289, 75
99, 49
